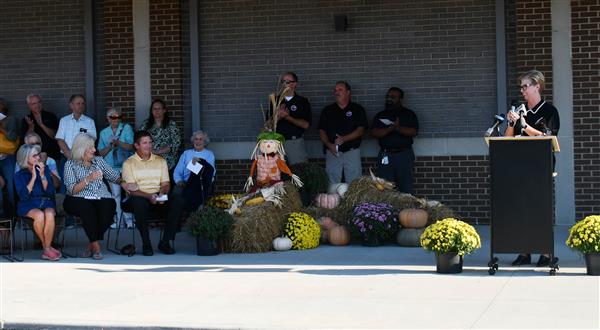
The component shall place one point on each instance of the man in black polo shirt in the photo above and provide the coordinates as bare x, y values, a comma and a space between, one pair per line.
294, 117
341, 128
395, 128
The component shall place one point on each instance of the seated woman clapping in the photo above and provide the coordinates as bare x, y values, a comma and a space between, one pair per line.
36, 197
87, 194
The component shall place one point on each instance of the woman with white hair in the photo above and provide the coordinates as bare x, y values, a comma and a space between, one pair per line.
195, 186
116, 145
36, 197
88, 197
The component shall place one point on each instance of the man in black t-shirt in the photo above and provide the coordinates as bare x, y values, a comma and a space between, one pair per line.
341, 127
395, 128
294, 117
43, 123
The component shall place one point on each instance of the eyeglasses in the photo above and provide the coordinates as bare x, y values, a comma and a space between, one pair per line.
287, 81
525, 86
114, 117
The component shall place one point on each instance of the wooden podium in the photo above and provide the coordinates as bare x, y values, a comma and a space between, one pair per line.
521, 170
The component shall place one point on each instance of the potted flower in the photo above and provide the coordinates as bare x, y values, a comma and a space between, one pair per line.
450, 239
209, 225
374, 223
584, 237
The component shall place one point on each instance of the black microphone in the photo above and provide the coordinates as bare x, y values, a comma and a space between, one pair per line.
498, 119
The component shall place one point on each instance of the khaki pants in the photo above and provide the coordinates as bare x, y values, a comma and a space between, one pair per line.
295, 151
348, 162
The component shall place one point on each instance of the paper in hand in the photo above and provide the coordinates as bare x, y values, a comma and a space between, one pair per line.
162, 198
386, 121
194, 168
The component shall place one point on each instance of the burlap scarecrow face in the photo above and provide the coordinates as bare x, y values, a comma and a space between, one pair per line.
269, 146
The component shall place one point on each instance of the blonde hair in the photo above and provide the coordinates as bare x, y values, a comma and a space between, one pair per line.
25, 151
536, 77
81, 143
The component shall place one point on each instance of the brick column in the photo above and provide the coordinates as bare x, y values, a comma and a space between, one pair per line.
118, 56
585, 25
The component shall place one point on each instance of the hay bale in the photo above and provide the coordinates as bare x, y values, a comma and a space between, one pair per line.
256, 226
363, 190
438, 212
318, 212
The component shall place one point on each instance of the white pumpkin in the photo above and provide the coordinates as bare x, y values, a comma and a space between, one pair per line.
282, 244
341, 189
333, 188
328, 201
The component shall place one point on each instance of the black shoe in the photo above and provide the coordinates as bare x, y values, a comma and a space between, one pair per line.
147, 250
522, 260
165, 247
543, 261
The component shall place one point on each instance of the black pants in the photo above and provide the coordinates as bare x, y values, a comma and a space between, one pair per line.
141, 208
198, 187
398, 170
96, 214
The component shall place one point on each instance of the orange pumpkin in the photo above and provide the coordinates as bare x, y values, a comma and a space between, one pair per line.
328, 201
339, 235
327, 223
413, 218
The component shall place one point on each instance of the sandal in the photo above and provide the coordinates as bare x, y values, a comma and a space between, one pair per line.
97, 256
87, 253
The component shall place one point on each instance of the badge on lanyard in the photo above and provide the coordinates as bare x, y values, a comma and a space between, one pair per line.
385, 160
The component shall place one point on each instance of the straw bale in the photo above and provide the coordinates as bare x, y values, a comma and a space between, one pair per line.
256, 226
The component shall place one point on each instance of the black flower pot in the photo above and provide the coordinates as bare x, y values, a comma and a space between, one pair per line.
206, 247
448, 263
592, 263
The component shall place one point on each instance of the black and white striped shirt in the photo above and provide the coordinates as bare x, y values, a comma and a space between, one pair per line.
75, 172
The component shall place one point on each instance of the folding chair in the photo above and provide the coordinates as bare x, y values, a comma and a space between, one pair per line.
6, 227
155, 216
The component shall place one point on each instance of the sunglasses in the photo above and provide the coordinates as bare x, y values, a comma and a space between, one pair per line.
114, 117
287, 81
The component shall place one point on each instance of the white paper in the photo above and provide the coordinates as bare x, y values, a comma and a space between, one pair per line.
162, 198
386, 121
194, 168
2, 116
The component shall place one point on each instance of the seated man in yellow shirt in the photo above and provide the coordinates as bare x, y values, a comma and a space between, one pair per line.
146, 179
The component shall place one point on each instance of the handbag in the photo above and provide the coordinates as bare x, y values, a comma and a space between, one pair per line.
7, 146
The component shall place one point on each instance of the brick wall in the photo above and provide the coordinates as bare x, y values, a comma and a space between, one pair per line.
41, 51
118, 56
585, 24
534, 39
165, 56
442, 53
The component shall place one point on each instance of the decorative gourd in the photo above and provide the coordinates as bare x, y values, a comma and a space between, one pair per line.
282, 244
410, 237
413, 218
328, 201
339, 235
327, 223
341, 189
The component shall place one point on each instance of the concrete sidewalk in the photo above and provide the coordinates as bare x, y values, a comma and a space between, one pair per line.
328, 287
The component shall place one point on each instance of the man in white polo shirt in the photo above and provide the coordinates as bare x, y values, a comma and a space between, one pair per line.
73, 124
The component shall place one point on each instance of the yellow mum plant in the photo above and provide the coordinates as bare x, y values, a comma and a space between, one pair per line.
450, 236
303, 230
584, 236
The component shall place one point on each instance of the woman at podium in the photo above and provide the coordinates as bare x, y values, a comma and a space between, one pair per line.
535, 117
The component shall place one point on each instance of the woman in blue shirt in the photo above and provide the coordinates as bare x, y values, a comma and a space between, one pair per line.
36, 197
116, 145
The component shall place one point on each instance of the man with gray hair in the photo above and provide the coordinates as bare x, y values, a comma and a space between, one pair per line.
42, 122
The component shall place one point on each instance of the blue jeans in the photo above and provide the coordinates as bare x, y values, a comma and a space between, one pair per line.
7, 170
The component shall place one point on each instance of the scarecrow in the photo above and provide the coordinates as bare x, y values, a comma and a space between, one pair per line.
268, 162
